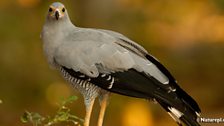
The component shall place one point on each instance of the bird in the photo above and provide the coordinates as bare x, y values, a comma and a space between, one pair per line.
99, 62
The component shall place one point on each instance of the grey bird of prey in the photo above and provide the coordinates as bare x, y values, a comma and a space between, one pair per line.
98, 62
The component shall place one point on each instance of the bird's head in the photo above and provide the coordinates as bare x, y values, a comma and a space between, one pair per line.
56, 11
57, 21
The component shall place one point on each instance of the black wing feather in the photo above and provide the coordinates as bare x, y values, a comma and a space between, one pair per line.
172, 82
138, 84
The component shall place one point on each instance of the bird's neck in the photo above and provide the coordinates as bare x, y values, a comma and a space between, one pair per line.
52, 35
60, 24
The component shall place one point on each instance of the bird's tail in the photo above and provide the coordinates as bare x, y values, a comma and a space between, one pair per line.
183, 109
177, 103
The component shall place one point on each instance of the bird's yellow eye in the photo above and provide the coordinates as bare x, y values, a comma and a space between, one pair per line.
50, 9
63, 9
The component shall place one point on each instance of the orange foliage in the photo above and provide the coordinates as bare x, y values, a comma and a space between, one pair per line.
131, 3
137, 114
179, 23
186, 24
4, 3
28, 3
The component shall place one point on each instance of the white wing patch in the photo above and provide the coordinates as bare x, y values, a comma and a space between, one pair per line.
103, 75
111, 83
198, 114
174, 117
176, 112
167, 82
109, 78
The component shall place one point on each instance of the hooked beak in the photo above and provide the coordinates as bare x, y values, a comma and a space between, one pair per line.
57, 15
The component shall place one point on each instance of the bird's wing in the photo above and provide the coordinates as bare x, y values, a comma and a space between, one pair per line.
138, 49
119, 66
127, 43
87, 55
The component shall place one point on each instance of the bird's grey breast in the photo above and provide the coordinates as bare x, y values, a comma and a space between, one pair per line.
53, 35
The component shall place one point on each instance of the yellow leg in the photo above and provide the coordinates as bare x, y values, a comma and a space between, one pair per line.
103, 105
89, 109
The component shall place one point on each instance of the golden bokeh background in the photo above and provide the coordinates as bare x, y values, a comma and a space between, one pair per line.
187, 36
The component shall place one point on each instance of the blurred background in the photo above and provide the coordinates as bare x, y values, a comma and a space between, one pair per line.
187, 36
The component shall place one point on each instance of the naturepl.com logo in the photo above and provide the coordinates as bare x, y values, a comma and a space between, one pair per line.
210, 120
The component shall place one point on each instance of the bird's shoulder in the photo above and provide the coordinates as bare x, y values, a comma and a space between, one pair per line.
125, 41
104, 37
88, 34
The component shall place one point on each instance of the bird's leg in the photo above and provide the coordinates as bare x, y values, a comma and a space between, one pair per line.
103, 105
89, 108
